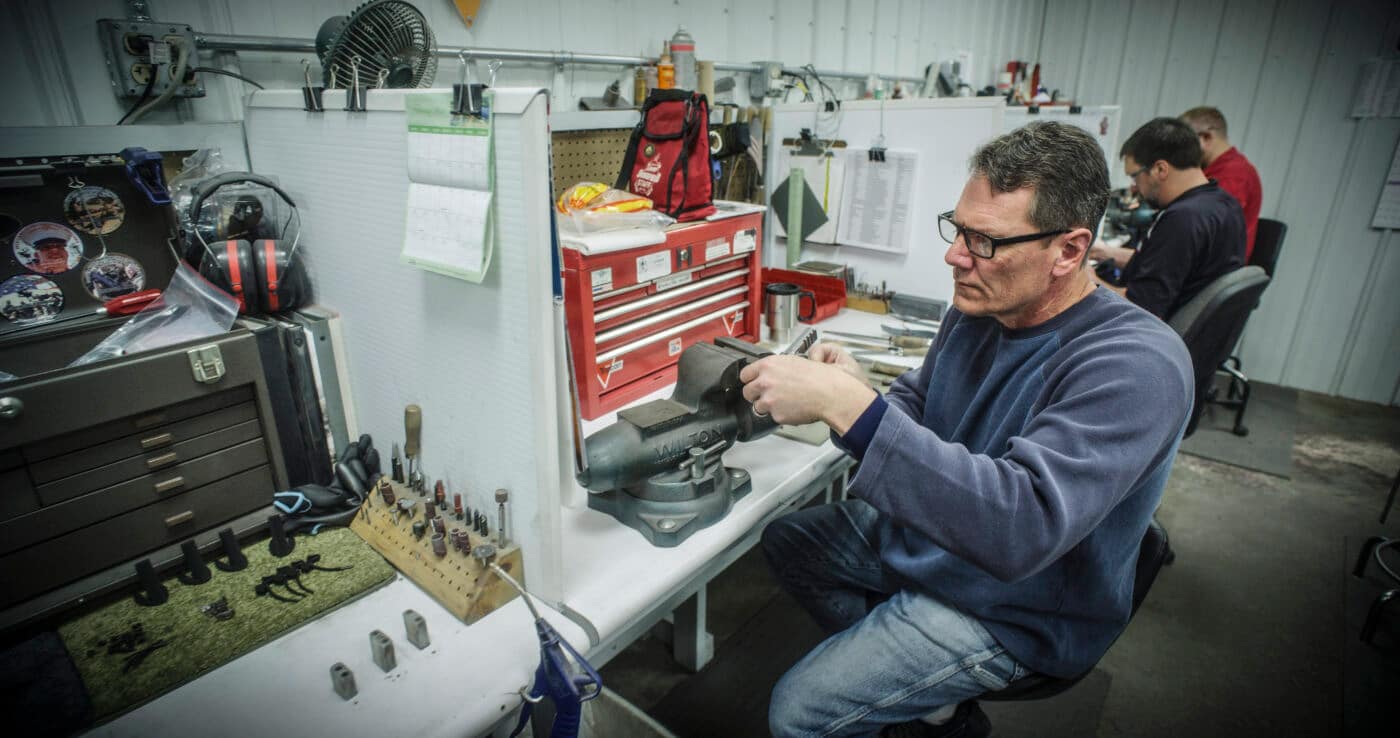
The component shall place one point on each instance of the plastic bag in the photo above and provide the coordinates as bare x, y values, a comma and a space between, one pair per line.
190, 308
592, 207
195, 168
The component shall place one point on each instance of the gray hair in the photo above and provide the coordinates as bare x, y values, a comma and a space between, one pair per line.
1062, 164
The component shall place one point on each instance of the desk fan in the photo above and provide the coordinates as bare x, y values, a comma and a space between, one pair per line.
391, 39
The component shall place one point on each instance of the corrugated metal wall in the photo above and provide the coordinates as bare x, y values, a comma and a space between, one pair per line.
1283, 71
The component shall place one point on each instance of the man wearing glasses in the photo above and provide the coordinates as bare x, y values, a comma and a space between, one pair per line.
1199, 234
1004, 486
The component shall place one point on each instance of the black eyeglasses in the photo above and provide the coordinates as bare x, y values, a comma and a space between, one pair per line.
980, 244
1134, 175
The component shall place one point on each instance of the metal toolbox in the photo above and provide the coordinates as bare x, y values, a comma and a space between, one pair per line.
631, 313
105, 464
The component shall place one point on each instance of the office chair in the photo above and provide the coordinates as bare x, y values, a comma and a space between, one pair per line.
1151, 557
1210, 324
1268, 240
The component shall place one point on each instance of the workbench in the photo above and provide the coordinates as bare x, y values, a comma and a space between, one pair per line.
466, 682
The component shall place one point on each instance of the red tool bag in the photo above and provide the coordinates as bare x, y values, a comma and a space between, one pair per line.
668, 157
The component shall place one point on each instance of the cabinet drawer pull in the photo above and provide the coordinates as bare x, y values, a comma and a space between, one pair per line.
180, 519
149, 420
169, 484
163, 439
165, 459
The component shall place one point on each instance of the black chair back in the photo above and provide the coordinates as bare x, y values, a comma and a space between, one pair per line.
1268, 241
1152, 555
1211, 322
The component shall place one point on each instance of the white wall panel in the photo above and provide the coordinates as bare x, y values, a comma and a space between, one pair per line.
1106, 45
1190, 56
1236, 72
1064, 44
1373, 362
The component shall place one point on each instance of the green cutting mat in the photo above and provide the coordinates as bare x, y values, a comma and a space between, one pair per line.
197, 642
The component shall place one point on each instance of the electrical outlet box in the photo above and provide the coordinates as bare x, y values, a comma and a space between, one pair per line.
137, 49
768, 80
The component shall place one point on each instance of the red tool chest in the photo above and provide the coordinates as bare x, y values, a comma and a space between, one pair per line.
631, 313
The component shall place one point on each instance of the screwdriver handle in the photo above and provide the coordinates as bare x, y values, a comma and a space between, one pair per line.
413, 430
130, 304
910, 342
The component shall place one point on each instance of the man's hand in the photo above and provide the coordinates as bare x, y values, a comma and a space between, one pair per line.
796, 391
830, 353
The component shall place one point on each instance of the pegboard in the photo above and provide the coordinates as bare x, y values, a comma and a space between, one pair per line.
588, 156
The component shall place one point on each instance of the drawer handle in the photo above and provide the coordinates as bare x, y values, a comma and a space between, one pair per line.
175, 521
149, 420
169, 484
165, 459
163, 439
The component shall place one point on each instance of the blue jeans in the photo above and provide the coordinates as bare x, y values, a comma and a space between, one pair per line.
895, 654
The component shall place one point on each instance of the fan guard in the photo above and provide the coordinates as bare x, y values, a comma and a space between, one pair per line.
389, 35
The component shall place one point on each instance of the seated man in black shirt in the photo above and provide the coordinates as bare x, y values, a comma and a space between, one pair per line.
1199, 233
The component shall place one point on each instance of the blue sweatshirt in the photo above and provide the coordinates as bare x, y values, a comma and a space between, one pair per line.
1016, 471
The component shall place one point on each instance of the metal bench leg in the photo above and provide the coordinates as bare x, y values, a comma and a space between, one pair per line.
693, 645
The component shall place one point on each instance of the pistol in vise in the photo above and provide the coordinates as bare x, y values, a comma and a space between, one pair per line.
658, 468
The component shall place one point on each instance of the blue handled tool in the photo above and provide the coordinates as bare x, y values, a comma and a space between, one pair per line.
143, 168
563, 676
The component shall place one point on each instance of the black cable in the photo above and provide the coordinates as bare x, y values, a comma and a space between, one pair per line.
145, 94
226, 73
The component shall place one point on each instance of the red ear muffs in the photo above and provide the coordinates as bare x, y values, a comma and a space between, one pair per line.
233, 269
267, 253
263, 277
282, 282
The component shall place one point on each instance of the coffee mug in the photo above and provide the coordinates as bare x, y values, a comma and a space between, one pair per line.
782, 301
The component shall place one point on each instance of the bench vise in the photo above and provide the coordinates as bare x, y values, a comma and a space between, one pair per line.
658, 468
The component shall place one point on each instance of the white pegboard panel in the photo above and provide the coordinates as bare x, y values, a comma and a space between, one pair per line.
479, 359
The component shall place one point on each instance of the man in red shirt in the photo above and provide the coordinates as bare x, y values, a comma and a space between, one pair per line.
1228, 167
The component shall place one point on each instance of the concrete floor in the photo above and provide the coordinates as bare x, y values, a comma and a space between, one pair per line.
1252, 632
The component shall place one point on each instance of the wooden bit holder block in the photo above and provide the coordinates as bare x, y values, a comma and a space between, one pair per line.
457, 581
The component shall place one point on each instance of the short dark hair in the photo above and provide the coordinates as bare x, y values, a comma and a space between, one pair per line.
1164, 139
1063, 165
1207, 117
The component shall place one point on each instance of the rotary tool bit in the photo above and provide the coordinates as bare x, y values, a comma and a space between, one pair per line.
457, 505
396, 469
440, 495
501, 497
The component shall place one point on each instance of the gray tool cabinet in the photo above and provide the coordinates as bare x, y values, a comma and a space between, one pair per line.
106, 464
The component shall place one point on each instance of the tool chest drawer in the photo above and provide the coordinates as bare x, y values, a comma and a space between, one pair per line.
631, 313
72, 514
58, 457
32, 570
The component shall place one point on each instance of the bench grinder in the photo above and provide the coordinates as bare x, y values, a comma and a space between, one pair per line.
658, 468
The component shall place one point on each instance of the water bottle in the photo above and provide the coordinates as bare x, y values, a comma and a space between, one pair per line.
683, 57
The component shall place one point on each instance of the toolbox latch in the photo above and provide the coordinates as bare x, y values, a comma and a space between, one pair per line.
206, 363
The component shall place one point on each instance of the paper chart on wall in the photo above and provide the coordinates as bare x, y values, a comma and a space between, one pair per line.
825, 174
875, 205
451, 171
1388, 209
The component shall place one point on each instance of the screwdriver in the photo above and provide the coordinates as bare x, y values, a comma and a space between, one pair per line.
912, 342
125, 305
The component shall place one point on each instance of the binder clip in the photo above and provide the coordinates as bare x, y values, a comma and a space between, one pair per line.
466, 95
309, 94
355, 95
877, 153
143, 169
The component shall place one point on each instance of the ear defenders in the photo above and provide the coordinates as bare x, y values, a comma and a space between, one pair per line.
262, 275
